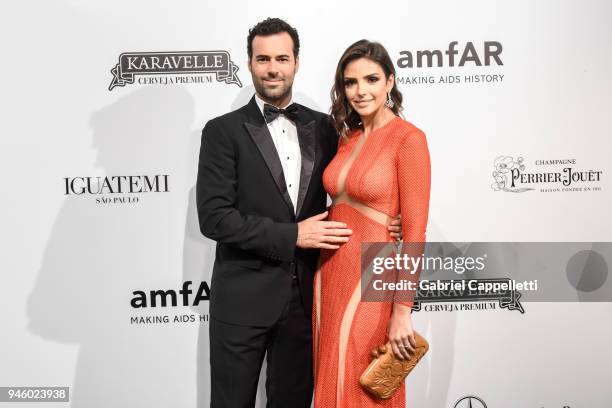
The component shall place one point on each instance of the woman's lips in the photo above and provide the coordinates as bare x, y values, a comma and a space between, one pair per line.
363, 103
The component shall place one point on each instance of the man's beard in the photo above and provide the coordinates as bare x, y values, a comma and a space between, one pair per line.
272, 95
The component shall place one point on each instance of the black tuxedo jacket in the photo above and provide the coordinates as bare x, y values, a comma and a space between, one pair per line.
244, 205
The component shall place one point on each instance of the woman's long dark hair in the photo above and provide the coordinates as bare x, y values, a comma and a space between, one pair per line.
344, 117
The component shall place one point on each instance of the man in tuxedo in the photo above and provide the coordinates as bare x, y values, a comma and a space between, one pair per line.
260, 195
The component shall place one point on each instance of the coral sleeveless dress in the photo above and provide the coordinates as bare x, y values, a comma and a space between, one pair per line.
371, 181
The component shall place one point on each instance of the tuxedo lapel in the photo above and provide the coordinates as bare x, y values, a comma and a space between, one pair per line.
306, 137
258, 130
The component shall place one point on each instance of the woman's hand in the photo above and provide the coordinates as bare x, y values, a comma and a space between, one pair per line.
395, 228
400, 332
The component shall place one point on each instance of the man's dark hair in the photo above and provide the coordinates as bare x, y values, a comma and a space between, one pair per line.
273, 26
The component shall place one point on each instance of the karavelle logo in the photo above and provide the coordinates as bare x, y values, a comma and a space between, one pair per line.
450, 296
174, 67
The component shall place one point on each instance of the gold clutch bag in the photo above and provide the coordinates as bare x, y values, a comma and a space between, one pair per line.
386, 372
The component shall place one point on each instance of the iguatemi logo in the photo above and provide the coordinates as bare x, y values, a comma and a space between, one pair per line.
117, 189
175, 67
559, 175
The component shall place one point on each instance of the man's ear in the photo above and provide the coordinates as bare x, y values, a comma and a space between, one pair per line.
297, 63
249, 64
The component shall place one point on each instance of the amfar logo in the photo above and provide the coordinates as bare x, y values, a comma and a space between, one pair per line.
111, 189
488, 54
471, 401
169, 296
511, 175
491, 52
164, 68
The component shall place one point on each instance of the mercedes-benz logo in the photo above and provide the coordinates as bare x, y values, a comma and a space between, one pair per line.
471, 401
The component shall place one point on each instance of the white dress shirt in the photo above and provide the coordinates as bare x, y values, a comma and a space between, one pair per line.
285, 137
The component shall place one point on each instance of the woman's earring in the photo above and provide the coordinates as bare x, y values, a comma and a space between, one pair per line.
349, 110
389, 102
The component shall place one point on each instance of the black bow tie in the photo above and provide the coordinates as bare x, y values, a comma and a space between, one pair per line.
272, 112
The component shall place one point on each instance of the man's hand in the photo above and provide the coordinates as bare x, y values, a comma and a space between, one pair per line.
395, 228
313, 232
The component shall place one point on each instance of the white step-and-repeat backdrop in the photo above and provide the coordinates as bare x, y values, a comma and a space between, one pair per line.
99, 162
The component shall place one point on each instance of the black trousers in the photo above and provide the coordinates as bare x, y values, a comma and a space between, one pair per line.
237, 352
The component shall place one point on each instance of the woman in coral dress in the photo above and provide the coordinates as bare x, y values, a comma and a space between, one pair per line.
381, 169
